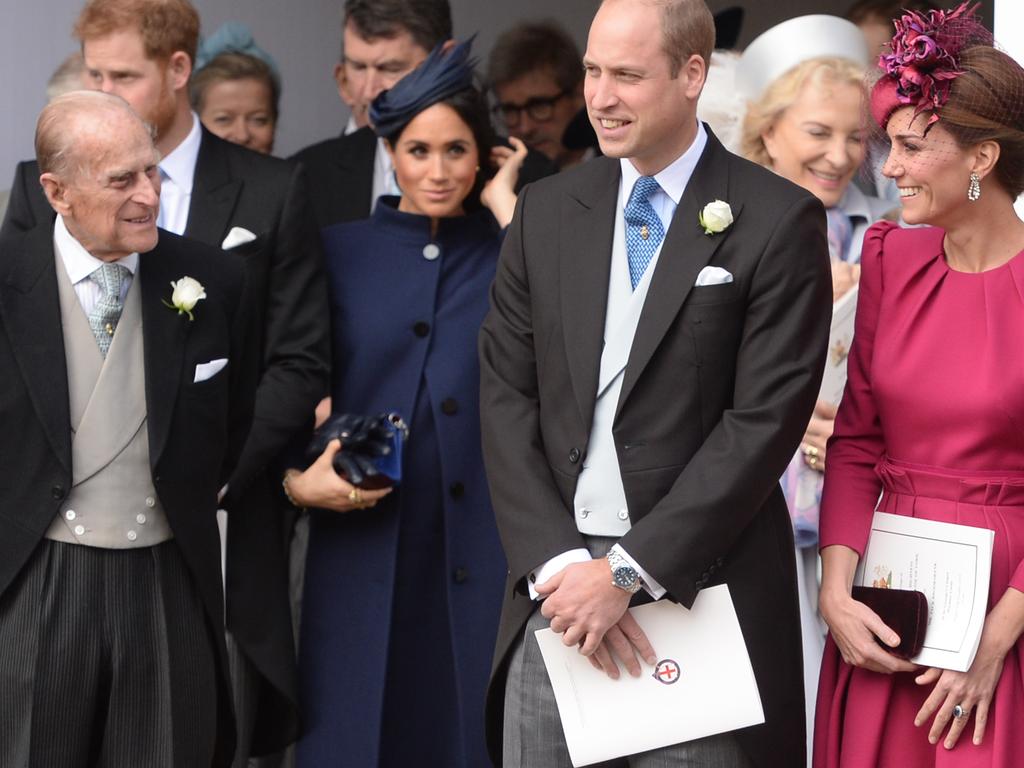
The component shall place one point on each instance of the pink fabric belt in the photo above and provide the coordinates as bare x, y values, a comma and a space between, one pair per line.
989, 489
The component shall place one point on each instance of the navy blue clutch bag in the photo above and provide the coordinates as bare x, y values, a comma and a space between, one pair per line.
371, 448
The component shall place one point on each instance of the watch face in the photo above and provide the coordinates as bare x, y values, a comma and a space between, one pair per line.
624, 576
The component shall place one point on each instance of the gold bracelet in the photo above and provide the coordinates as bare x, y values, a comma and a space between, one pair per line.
288, 475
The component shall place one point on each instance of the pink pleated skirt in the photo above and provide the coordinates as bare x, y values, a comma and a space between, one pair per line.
865, 719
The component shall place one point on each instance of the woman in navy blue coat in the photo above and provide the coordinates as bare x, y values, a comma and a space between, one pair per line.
403, 588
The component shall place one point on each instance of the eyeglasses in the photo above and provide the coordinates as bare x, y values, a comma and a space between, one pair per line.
540, 109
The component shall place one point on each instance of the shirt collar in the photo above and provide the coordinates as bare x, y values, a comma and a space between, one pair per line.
180, 164
855, 203
674, 177
78, 262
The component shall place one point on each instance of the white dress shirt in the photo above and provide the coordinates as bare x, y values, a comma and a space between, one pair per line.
79, 264
599, 506
177, 172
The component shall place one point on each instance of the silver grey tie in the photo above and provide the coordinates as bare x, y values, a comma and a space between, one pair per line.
107, 311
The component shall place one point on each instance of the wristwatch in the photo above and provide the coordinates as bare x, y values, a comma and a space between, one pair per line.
624, 576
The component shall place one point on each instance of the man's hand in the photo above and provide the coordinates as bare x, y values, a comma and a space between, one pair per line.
623, 642
583, 605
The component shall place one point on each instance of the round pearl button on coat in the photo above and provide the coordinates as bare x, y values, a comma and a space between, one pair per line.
140, 519
70, 514
132, 535
79, 530
431, 251
623, 514
150, 502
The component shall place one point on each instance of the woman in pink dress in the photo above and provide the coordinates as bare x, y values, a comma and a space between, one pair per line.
933, 414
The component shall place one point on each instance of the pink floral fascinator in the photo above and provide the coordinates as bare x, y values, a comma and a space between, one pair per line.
925, 60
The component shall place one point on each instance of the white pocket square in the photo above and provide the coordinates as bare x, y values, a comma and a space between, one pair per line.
237, 236
713, 276
208, 370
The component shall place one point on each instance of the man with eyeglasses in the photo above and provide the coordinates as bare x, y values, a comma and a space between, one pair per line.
535, 73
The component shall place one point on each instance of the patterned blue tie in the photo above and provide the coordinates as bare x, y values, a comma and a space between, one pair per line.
644, 230
107, 310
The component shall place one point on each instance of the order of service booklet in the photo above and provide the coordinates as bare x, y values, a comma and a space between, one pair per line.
703, 683
840, 339
951, 564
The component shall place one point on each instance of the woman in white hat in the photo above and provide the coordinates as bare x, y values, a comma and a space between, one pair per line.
805, 82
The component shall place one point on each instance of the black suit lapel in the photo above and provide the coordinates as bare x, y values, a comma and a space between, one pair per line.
30, 307
687, 250
164, 332
214, 193
586, 241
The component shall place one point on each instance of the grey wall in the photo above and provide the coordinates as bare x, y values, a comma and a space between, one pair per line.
304, 36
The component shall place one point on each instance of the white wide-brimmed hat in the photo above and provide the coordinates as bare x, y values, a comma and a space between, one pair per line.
792, 42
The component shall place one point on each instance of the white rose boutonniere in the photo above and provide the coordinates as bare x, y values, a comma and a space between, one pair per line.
716, 217
186, 293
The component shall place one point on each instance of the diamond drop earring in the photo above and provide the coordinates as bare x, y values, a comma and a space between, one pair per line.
974, 190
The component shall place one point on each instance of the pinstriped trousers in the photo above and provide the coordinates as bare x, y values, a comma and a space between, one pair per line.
105, 660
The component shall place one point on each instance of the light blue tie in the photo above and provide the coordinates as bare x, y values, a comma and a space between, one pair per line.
644, 230
107, 310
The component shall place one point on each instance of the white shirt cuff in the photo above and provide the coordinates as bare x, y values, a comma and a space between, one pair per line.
654, 589
553, 566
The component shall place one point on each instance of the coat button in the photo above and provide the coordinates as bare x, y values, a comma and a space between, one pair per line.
140, 519
623, 514
132, 535
57, 491
574, 455
460, 575
431, 251
421, 329
70, 514
150, 502
449, 406
457, 490
79, 530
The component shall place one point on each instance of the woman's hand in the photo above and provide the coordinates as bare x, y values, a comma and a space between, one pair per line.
973, 689
819, 430
844, 277
499, 194
854, 628
321, 487
853, 625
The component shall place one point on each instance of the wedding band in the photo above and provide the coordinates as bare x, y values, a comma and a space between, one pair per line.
355, 496
959, 712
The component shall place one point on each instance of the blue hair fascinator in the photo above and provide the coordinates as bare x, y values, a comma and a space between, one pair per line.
234, 37
443, 74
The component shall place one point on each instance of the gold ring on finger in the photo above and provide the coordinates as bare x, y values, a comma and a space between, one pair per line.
355, 496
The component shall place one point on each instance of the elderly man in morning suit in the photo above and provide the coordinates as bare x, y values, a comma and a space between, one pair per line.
257, 206
125, 405
645, 380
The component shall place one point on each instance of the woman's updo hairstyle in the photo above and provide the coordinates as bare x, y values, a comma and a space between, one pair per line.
986, 103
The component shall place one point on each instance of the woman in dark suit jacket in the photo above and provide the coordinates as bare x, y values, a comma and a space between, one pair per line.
403, 587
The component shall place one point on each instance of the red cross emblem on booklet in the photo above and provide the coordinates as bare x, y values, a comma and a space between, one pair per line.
666, 671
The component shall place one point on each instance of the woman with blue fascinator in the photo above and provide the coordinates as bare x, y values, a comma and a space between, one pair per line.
403, 585
236, 88
933, 416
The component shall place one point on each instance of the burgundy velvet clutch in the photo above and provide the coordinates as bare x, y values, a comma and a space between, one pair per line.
905, 611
